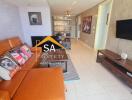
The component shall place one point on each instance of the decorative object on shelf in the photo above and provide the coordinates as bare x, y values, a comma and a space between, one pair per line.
86, 25
124, 56
35, 18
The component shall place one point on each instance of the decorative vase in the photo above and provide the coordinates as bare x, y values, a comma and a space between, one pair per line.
124, 56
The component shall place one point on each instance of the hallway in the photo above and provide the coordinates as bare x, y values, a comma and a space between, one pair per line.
96, 83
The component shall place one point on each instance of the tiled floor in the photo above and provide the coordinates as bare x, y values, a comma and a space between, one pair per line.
96, 83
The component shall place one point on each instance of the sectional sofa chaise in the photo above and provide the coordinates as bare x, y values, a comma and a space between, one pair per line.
31, 82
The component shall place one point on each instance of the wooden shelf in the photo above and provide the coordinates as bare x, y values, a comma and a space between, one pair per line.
62, 25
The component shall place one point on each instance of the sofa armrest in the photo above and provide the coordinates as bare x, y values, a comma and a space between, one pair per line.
36, 49
4, 95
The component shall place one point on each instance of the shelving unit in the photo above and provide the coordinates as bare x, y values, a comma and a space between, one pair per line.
119, 67
63, 25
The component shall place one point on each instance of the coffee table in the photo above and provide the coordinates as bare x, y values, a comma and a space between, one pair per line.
55, 58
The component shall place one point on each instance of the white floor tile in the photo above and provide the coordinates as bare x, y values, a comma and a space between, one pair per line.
96, 83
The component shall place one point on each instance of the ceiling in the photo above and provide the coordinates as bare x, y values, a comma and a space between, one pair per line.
28, 2
59, 7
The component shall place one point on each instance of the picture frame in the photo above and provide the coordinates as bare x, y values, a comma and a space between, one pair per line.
86, 24
35, 18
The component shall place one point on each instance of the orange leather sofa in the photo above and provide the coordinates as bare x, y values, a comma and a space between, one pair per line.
31, 82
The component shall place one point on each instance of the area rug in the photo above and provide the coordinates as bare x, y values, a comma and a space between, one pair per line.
71, 73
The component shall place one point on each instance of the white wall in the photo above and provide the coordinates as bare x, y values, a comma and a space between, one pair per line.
9, 21
102, 25
89, 39
36, 30
78, 26
73, 27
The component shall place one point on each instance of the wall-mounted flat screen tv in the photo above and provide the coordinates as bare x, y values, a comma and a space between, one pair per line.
124, 29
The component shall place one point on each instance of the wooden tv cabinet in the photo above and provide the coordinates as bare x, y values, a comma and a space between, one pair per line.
113, 62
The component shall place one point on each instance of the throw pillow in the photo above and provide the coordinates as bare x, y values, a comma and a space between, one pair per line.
17, 56
18, 50
8, 68
26, 50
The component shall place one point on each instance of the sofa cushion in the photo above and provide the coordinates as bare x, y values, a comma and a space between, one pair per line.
4, 95
26, 50
15, 42
42, 84
8, 68
4, 46
12, 85
22, 54
31, 62
17, 56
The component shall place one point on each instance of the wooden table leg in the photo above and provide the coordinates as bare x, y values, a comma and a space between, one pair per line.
65, 66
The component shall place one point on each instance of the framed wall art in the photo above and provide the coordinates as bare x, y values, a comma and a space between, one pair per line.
35, 18
86, 24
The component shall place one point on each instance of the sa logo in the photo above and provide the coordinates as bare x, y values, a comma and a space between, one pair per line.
48, 47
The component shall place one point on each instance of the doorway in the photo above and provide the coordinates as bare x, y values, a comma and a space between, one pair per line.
104, 13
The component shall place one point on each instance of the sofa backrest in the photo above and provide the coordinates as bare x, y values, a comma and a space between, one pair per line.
6, 45
14, 42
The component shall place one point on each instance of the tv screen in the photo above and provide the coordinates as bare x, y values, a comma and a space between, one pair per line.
124, 29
